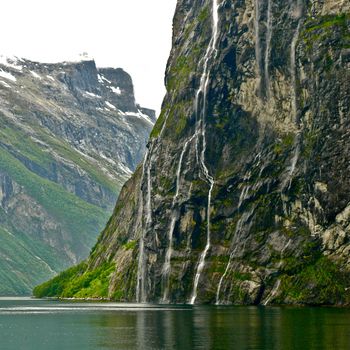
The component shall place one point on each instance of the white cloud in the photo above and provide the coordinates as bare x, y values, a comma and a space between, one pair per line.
132, 34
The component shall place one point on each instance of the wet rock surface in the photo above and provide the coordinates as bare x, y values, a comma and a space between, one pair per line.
243, 195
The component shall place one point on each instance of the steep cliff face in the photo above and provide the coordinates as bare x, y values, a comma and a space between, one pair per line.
243, 196
70, 136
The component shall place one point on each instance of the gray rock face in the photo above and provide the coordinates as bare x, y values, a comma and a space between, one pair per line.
243, 195
71, 134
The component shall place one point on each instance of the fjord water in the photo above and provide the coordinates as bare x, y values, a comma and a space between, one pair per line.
38, 324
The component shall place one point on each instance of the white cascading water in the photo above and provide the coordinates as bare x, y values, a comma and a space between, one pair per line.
243, 196
257, 41
141, 271
273, 292
285, 248
294, 159
164, 124
217, 300
268, 46
242, 221
167, 263
149, 194
293, 68
178, 172
293, 71
141, 264
204, 82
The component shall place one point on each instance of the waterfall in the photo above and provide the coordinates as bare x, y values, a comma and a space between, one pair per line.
140, 287
204, 253
178, 172
149, 194
164, 124
257, 42
167, 263
141, 270
217, 300
285, 248
273, 292
243, 196
242, 221
293, 71
202, 91
268, 47
297, 12
295, 156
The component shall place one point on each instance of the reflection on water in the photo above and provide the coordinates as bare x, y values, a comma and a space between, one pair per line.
36, 324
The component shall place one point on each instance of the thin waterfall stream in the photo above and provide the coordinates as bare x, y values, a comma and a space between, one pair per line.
268, 47
203, 88
241, 222
293, 73
167, 263
141, 263
141, 296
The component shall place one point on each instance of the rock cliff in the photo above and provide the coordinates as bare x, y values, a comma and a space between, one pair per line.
243, 196
71, 134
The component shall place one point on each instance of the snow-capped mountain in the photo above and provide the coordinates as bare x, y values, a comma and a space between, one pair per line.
70, 135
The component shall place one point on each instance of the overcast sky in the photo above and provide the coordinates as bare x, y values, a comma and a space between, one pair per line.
132, 34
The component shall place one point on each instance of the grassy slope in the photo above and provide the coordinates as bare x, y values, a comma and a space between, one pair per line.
17, 139
79, 283
68, 209
18, 251
19, 266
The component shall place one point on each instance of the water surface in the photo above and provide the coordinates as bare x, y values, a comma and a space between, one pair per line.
30, 324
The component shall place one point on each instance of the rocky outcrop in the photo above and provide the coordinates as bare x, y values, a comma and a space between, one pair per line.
243, 195
71, 134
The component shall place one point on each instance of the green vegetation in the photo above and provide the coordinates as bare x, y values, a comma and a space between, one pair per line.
182, 68
176, 121
130, 245
25, 252
319, 283
328, 21
73, 212
218, 263
78, 282
319, 29
204, 14
24, 146
160, 122
16, 257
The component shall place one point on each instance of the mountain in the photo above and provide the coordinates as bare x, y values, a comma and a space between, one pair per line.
243, 196
71, 134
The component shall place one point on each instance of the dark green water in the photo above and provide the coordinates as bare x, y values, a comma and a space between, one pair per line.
43, 325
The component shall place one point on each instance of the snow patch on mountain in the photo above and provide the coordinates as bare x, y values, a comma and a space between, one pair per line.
140, 115
35, 75
11, 62
102, 79
7, 75
92, 94
110, 105
5, 84
116, 90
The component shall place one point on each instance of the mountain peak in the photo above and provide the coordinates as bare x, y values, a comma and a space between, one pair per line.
70, 137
